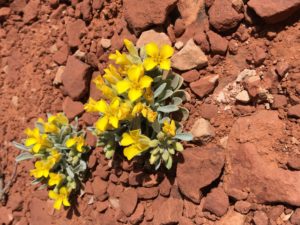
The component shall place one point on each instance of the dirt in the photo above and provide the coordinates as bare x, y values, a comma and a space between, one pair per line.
50, 51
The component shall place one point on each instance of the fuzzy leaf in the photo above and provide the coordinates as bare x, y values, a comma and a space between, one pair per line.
160, 90
184, 137
176, 100
167, 108
20, 146
24, 156
180, 94
167, 94
70, 172
165, 156
185, 113
169, 163
156, 126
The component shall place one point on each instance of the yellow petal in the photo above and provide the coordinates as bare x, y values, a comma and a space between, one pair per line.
102, 106
165, 64
166, 51
134, 73
131, 152
145, 81
36, 148
130, 47
149, 64
53, 194
30, 141
102, 123
152, 49
115, 103
134, 94
63, 191
123, 86
114, 121
70, 142
57, 204
127, 140
66, 202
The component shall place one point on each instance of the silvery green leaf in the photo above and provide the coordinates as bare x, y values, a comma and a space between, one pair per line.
165, 156
185, 113
168, 94
157, 79
160, 90
174, 81
70, 172
167, 108
109, 154
157, 165
156, 126
40, 126
43, 186
180, 94
37, 181
171, 151
24, 156
184, 137
169, 163
176, 100
20, 146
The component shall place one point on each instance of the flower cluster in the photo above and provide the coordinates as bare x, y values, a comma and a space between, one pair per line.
141, 95
59, 150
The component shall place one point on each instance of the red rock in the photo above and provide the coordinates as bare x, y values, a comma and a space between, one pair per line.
179, 27
275, 212
190, 10
4, 13
200, 39
74, 32
208, 111
124, 178
6, 216
232, 218
91, 140
57, 13
242, 207
203, 165
97, 4
237, 194
294, 162
95, 93
15, 201
169, 212
138, 215
72, 108
38, 212
216, 202
165, 187
140, 15
147, 193
128, 201
185, 221
102, 206
259, 55
85, 9
190, 76
54, 3
222, 15
31, 11
233, 47
190, 209
218, 44
279, 101
18, 5
294, 111
273, 11
295, 218
260, 218
205, 85
75, 78
135, 178
99, 188
61, 56
249, 169
282, 68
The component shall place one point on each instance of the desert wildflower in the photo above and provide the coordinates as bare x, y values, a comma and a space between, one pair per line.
136, 142
130, 47
48, 126
110, 114
42, 168
112, 75
36, 140
119, 58
77, 141
169, 128
135, 84
55, 178
158, 56
107, 91
58, 119
146, 111
55, 155
60, 198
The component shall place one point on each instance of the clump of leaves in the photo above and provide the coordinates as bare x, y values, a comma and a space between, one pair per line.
140, 96
59, 151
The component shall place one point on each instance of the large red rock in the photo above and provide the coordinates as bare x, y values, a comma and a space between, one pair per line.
72, 108
39, 212
200, 167
74, 32
250, 140
205, 85
222, 15
31, 11
217, 202
99, 187
218, 44
273, 11
141, 14
128, 201
294, 111
75, 78
190, 10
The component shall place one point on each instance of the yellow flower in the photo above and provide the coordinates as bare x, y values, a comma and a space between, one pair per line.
60, 198
110, 114
54, 123
151, 116
120, 59
158, 56
58, 119
55, 155
130, 47
146, 111
107, 91
124, 110
149, 95
55, 178
42, 168
48, 127
112, 75
169, 128
36, 140
136, 142
78, 141
135, 84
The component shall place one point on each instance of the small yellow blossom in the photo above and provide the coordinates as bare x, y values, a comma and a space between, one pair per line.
55, 178
76, 141
60, 198
55, 155
48, 127
36, 140
149, 96
107, 91
112, 75
42, 168
146, 111
136, 142
135, 84
120, 58
158, 56
169, 128
130, 47
58, 119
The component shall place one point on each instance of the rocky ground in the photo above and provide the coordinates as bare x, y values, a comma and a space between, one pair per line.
241, 64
